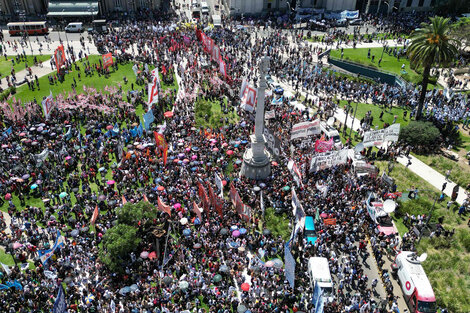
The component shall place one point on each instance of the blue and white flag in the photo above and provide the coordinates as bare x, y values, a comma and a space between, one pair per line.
319, 305
290, 265
60, 306
148, 119
44, 255
317, 292
115, 130
140, 130
8, 131
68, 135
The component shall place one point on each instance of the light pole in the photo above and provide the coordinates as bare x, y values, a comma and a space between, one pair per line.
352, 122
427, 220
66, 37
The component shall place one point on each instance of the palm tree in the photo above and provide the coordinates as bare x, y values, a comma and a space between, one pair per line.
431, 44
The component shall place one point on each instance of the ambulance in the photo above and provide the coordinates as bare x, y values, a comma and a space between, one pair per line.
417, 290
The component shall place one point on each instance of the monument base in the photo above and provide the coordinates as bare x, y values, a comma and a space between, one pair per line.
258, 169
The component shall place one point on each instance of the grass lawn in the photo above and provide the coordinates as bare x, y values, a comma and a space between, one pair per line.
5, 64
278, 224
209, 114
460, 174
363, 108
448, 263
389, 63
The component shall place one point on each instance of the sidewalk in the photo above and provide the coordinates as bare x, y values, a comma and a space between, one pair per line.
39, 71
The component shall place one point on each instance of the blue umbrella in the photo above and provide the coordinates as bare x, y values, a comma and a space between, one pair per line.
238, 161
195, 148
233, 244
63, 194
34, 186
187, 232
74, 233
197, 221
242, 231
244, 142
193, 169
158, 179
89, 299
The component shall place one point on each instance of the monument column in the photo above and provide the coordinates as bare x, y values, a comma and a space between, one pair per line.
256, 164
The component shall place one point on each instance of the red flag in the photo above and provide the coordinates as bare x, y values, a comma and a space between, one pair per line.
163, 70
145, 198
96, 212
165, 155
197, 210
219, 203
124, 201
163, 207
59, 56
233, 195
203, 196
211, 195
107, 60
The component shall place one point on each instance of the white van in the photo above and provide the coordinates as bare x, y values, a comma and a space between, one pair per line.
331, 132
319, 273
204, 8
74, 27
417, 289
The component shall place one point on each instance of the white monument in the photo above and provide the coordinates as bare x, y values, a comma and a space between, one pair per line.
256, 163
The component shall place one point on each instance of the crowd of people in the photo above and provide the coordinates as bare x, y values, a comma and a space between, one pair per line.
88, 155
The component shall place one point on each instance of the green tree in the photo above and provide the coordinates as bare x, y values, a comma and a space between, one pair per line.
460, 31
130, 214
431, 44
118, 242
421, 135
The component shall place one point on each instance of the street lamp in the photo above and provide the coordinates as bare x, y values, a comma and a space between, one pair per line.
352, 122
66, 37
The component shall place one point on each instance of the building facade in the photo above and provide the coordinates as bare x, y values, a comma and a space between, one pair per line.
16, 8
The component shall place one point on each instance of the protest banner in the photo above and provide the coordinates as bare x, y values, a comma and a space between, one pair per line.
327, 159
305, 129
248, 96
378, 137
294, 170
107, 60
59, 56
273, 143
270, 114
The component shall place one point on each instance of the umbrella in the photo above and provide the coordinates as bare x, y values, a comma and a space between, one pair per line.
187, 232
74, 233
8, 196
110, 182
168, 114
160, 188
68, 157
17, 245
323, 215
4, 146
236, 233
109, 127
242, 231
63, 194
274, 163
241, 249
224, 231
233, 244
223, 268
286, 188
125, 290
215, 149
134, 287
269, 264
277, 263
19, 180
102, 197
217, 278
256, 188
245, 287
195, 148
101, 169
75, 189
238, 162
229, 152
177, 205
194, 157
183, 285
181, 155
167, 280
184, 221
34, 186
197, 246
25, 176
266, 232
144, 254
89, 299
152, 255
22, 134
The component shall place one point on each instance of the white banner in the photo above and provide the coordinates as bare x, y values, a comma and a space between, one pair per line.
248, 95
153, 93
305, 129
270, 114
47, 105
378, 137
294, 170
328, 159
219, 184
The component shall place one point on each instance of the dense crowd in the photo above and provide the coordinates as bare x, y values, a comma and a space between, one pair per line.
56, 171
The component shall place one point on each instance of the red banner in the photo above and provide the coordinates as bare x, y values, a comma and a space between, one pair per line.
161, 145
242, 209
204, 198
107, 60
197, 210
163, 207
211, 195
329, 221
321, 145
96, 212
219, 203
59, 56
